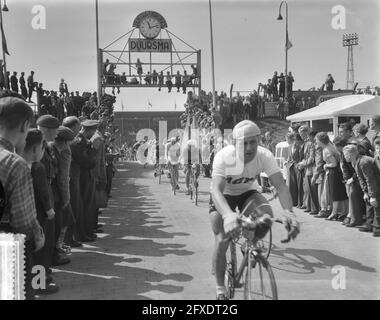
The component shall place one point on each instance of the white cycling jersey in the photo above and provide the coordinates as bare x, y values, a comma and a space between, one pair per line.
172, 152
237, 184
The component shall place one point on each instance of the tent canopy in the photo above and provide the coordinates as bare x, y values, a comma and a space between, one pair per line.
350, 105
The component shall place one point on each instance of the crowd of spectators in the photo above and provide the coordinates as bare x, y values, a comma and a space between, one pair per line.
56, 176
337, 179
149, 78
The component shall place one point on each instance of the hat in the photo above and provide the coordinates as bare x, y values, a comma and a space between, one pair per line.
65, 133
376, 118
48, 121
173, 139
90, 123
244, 129
107, 134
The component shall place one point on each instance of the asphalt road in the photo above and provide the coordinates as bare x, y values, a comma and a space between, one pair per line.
158, 246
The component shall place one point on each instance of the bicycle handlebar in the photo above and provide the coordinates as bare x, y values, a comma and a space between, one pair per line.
251, 225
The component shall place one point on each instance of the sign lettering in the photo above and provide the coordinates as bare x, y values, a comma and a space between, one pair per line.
146, 45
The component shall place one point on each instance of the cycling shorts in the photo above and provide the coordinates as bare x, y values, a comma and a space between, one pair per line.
257, 203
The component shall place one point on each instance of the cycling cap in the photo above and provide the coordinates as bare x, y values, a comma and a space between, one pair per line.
173, 139
244, 129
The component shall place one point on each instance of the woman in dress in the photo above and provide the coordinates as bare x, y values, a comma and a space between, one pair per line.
334, 191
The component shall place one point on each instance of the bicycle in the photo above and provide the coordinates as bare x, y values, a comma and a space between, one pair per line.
253, 261
193, 187
173, 169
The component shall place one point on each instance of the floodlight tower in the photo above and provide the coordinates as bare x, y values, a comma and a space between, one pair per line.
349, 41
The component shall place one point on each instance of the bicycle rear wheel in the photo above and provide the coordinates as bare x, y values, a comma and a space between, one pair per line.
259, 283
231, 270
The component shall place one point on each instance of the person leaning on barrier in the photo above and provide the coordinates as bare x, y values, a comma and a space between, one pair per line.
369, 177
19, 214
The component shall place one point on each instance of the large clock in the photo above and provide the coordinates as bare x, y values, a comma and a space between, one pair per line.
150, 27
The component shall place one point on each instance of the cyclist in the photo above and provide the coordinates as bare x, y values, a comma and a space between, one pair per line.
190, 156
233, 185
172, 154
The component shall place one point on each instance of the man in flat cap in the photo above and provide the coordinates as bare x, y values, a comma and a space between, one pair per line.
18, 212
100, 168
84, 161
73, 230
62, 152
49, 126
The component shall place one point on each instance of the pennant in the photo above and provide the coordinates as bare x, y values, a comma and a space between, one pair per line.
5, 47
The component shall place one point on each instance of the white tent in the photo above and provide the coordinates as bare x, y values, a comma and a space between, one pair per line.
351, 105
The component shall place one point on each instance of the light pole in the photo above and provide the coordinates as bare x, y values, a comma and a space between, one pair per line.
5, 9
286, 46
212, 59
97, 53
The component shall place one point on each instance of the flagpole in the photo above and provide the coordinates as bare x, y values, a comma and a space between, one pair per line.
286, 55
212, 59
2, 39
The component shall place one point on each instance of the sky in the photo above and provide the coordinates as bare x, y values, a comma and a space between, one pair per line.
249, 42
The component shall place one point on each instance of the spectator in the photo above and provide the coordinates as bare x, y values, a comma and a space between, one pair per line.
290, 85
30, 82
21, 80
281, 80
14, 82
294, 142
178, 83
63, 88
20, 211
318, 178
185, 82
307, 164
7, 81
160, 80
369, 177
87, 177
194, 75
365, 147
139, 69
375, 126
329, 82
334, 189
356, 205
275, 86
62, 153
32, 153
169, 82
154, 77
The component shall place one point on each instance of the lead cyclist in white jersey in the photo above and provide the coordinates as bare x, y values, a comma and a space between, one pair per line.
172, 155
234, 185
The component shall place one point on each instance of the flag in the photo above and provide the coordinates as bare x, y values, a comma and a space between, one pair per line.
122, 105
175, 105
5, 48
288, 43
149, 104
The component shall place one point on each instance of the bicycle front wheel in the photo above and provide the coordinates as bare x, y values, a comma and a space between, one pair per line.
231, 268
259, 283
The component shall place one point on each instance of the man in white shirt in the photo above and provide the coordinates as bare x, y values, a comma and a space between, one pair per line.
234, 185
172, 154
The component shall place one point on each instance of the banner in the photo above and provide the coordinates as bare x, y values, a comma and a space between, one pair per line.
146, 45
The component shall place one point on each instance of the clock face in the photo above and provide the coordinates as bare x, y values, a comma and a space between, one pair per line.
150, 27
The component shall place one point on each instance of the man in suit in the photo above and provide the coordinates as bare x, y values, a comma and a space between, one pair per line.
84, 155
307, 164
369, 177
14, 82
302, 191
30, 82
22, 82
100, 168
